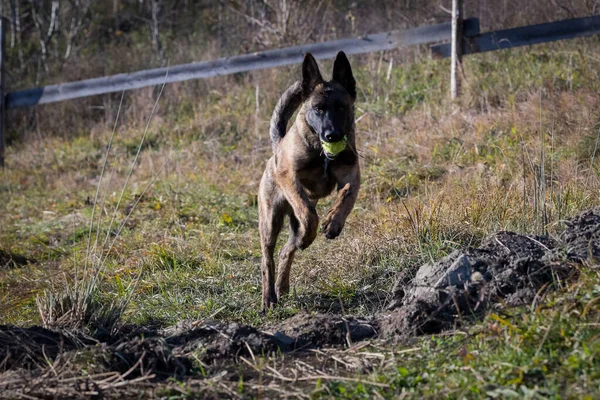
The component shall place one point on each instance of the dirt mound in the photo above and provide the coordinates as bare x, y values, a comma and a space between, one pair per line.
31, 347
581, 236
172, 348
507, 269
318, 330
154, 355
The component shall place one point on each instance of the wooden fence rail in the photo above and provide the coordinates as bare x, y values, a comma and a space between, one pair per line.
472, 42
229, 65
524, 36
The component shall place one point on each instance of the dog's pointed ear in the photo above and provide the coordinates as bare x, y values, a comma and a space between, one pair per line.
311, 76
342, 74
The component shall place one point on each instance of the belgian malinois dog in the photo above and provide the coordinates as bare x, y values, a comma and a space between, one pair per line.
317, 155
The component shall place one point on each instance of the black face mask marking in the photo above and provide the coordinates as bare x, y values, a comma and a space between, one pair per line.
329, 116
329, 106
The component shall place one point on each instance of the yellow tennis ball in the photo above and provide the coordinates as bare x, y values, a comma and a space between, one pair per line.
334, 148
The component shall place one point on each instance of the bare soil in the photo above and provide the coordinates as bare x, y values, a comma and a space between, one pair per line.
508, 269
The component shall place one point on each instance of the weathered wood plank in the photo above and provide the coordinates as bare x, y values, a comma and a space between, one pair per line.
226, 66
472, 43
525, 36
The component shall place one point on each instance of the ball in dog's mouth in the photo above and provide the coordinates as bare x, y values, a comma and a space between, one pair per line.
332, 149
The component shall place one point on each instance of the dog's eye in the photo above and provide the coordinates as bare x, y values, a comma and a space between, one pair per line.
318, 110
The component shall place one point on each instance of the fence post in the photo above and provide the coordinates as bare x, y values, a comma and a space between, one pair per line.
457, 34
2, 97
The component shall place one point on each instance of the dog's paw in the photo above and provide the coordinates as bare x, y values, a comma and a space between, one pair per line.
269, 300
332, 227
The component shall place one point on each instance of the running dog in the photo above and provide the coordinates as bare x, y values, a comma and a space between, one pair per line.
317, 155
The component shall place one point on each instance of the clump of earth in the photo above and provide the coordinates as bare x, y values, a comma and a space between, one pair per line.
508, 269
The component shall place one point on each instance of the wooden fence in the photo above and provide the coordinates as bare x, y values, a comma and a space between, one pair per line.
466, 35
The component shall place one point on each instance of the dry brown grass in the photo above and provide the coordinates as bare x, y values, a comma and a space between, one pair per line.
433, 181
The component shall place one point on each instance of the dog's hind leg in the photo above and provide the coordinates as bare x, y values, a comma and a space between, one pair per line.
270, 223
286, 257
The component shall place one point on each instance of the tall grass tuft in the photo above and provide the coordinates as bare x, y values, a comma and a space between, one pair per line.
80, 304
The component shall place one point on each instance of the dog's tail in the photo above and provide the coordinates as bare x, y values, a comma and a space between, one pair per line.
286, 106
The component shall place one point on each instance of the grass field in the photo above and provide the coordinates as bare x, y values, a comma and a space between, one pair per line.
520, 154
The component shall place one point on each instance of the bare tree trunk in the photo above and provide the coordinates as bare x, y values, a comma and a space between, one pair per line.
53, 22
37, 21
155, 30
16, 16
13, 31
54, 26
116, 13
45, 34
220, 26
78, 14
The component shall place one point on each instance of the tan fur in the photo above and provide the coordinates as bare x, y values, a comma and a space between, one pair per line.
295, 178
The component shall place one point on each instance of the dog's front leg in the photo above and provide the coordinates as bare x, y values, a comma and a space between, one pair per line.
348, 185
303, 209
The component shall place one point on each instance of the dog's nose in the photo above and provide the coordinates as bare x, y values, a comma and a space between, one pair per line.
330, 136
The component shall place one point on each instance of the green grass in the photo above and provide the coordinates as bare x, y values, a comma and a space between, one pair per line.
548, 352
431, 182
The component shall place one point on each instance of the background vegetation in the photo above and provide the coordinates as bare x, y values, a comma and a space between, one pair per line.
520, 154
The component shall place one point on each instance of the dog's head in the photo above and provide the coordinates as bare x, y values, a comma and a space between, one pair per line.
329, 106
